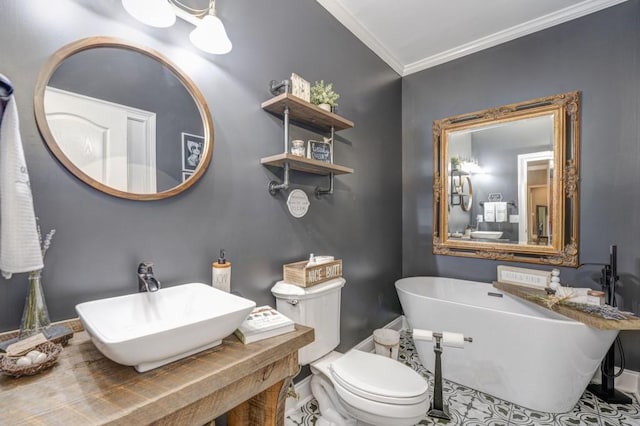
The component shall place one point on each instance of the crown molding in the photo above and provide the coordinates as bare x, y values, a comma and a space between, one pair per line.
563, 15
337, 9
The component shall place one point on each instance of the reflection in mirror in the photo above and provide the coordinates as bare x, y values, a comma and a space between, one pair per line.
123, 119
505, 182
535, 177
491, 156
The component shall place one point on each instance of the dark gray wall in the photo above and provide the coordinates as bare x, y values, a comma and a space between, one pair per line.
101, 239
598, 54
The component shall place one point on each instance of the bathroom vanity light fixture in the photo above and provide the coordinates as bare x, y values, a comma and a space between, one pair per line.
471, 166
209, 34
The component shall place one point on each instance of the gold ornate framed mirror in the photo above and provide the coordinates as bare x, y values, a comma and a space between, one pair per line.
123, 118
523, 162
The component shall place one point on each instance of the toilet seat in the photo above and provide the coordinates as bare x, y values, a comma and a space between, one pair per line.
377, 378
378, 413
369, 387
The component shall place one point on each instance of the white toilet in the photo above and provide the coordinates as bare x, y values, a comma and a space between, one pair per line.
356, 388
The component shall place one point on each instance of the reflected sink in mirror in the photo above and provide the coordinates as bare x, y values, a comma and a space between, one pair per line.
486, 235
148, 330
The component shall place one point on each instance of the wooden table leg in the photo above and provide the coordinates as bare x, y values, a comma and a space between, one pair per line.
264, 409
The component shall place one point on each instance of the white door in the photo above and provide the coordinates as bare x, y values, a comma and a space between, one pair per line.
524, 204
113, 144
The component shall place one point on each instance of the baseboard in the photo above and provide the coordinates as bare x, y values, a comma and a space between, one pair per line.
628, 381
303, 387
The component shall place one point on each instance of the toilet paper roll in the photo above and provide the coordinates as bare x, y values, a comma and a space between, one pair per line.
419, 334
452, 340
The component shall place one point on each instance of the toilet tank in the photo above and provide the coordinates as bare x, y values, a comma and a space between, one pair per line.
318, 307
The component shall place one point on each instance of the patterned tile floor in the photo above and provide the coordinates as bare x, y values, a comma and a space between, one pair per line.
469, 407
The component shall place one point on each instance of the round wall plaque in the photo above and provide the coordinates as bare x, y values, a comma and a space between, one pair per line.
298, 203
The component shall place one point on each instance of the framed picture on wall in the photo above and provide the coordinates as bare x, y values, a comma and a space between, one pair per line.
320, 151
186, 175
192, 147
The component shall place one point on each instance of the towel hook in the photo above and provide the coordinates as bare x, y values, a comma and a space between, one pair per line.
6, 88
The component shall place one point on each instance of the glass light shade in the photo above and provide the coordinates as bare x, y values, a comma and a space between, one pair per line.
155, 13
211, 36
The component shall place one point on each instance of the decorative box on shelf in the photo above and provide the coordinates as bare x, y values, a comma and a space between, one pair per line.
300, 274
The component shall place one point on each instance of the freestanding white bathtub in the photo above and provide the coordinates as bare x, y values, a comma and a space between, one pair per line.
521, 353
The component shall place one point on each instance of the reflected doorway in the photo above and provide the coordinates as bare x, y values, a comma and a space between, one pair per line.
535, 175
112, 143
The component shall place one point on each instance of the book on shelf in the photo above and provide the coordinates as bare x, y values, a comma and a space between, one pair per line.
262, 323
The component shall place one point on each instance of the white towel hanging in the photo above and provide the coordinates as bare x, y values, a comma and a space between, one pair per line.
501, 211
489, 211
19, 244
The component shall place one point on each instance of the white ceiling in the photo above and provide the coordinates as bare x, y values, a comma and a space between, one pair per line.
412, 35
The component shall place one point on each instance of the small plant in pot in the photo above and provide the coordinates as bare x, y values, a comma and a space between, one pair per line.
455, 162
324, 96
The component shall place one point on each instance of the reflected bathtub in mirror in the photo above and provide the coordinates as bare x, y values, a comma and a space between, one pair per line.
523, 161
123, 118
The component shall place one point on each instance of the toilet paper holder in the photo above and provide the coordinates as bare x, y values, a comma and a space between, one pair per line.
438, 408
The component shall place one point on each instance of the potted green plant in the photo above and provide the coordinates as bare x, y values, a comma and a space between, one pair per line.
323, 95
455, 162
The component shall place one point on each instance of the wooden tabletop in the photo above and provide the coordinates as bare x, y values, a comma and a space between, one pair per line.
536, 296
85, 388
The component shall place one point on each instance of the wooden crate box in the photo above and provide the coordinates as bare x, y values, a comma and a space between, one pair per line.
299, 274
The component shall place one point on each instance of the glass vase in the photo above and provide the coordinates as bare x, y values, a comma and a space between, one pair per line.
35, 317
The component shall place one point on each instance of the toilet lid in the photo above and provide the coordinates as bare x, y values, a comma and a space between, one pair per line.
379, 378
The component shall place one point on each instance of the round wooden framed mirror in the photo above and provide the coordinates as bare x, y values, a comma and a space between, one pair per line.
123, 119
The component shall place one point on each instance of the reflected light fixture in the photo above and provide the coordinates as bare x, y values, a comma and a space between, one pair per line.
471, 167
209, 34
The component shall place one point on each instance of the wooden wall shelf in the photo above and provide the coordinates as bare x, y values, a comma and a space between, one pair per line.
293, 109
306, 113
305, 164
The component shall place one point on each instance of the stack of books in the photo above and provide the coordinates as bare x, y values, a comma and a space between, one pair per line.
262, 323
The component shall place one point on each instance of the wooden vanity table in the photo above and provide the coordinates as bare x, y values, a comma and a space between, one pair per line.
85, 388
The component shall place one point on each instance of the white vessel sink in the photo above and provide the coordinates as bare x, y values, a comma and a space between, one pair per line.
147, 330
488, 235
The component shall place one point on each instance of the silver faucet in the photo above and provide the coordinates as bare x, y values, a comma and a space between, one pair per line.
146, 280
